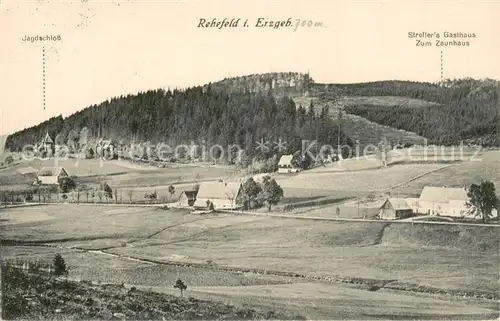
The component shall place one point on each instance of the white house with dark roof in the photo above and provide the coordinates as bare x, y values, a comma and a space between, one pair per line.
285, 165
223, 195
50, 175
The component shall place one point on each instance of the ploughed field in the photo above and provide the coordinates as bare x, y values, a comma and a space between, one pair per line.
116, 244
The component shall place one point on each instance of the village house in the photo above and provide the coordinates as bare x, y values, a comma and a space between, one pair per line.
222, 195
50, 175
46, 147
443, 201
395, 208
105, 149
187, 198
285, 165
413, 203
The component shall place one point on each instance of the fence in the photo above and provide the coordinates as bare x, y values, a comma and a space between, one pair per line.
29, 266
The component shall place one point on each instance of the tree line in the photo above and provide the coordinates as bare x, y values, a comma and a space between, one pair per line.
244, 110
200, 115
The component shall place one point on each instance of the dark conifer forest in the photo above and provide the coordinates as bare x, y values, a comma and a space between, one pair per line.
466, 110
246, 109
201, 115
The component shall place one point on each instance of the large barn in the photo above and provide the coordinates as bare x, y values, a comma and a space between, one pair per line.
443, 201
223, 195
395, 208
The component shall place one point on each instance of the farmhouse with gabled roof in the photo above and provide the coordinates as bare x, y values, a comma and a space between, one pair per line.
222, 195
285, 165
395, 208
444, 201
50, 175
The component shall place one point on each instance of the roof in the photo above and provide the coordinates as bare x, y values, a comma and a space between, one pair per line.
218, 190
189, 193
47, 139
285, 160
398, 203
48, 180
51, 171
105, 143
27, 170
443, 194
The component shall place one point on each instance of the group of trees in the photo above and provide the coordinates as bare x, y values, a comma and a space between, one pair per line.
277, 82
482, 200
256, 194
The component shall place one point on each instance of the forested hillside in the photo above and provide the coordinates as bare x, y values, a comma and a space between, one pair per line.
244, 110
468, 110
199, 115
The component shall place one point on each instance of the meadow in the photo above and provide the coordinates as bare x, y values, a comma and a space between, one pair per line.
484, 167
373, 180
367, 132
444, 257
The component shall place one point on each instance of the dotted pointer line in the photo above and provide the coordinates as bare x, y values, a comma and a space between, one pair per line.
43, 75
442, 73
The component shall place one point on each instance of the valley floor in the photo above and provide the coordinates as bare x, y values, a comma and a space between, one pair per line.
151, 248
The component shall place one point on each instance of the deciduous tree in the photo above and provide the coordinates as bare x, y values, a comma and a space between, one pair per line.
271, 192
482, 200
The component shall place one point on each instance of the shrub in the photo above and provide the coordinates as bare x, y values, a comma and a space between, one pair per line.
180, 285
108, 191
67, 184
59, 265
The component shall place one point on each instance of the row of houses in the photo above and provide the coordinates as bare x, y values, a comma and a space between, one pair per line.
434, 201
102, 148
216, 195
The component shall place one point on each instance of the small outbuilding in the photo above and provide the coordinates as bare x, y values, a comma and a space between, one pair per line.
395, 208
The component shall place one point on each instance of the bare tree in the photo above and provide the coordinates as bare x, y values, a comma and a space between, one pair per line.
100, 194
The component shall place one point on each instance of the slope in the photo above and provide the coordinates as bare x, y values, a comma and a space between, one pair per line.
361, 129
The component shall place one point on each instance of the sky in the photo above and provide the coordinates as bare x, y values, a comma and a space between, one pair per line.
113, 48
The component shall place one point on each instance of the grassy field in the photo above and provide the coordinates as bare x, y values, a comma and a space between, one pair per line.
130, 180
169, 175
71, 221
484, 167
457, 258
358, 181
367, 132
333, 248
